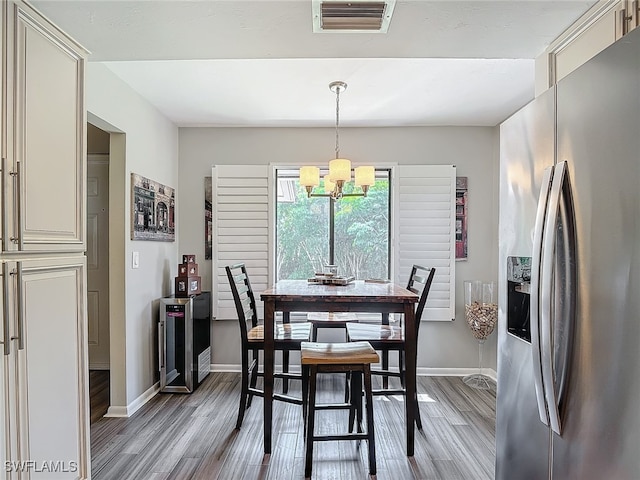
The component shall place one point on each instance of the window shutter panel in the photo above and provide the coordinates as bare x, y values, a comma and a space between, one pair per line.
240, 231
426, 232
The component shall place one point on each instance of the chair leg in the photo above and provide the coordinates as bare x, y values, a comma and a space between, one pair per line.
347, 382
371, 436
356, 397
305, 397
401, 367
310, 421
244, 389
350, 399
254, 375
418, 419
285, 369
385, 367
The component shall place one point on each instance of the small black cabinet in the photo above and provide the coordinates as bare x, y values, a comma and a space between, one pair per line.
184, 342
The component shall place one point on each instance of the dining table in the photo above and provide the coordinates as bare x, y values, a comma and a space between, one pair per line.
358, 296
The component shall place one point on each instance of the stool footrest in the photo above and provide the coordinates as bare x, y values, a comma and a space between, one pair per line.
350, 436
386, 373
389, 391
287, 398
288, 376
333, 406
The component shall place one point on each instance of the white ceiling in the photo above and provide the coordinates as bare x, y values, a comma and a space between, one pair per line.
258, 63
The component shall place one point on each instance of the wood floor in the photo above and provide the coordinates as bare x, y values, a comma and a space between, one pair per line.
178, 436
99, 393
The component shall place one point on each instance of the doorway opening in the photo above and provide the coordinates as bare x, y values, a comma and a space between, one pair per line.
98, 314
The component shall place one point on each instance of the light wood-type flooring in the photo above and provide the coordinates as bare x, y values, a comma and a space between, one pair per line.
98, 393
192, 436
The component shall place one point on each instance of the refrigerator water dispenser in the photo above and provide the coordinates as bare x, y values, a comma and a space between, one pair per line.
518, 285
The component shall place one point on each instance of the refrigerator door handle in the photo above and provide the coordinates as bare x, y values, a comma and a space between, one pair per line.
536, 273
547, 314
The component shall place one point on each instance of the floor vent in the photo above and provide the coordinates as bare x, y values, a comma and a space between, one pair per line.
340, 16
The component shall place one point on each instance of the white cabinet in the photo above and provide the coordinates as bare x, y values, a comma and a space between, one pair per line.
44, 409
602, 25
45, 385
44, 131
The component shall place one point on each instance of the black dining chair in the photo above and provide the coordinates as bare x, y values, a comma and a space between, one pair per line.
287, 337
388, 338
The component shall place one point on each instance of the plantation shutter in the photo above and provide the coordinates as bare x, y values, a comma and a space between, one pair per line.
425, 214
240, 231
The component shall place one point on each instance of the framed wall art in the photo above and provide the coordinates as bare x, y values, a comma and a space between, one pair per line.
461, 218
208, 219
152, 210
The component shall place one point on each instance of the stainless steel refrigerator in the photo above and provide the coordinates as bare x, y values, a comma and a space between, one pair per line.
569, 290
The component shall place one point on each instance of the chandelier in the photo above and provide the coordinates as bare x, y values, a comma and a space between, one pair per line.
339, 168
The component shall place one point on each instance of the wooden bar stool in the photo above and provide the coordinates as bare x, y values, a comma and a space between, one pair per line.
350, 357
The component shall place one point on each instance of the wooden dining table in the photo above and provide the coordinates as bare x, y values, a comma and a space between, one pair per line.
288, 296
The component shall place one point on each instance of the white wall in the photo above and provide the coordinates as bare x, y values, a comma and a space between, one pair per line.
474, 150
143, 142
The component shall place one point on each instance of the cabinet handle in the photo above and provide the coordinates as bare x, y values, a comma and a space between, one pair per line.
161, 344
5, 311
3, 217
624, 21
20, 337
17, 207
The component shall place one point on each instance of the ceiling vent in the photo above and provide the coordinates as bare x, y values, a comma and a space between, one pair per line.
357, 16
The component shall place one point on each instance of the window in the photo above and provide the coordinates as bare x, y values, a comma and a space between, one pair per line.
368, 241
352, 233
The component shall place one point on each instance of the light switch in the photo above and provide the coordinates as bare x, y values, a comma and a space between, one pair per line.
135, 260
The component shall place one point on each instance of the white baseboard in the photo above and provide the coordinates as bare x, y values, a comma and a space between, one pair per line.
133, 407
421, 371
223, 367
455, 372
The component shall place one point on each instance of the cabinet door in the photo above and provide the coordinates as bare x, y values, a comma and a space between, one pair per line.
53, 425
46, 174
7, 444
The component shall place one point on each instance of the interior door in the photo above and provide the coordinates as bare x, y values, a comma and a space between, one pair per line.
98, 260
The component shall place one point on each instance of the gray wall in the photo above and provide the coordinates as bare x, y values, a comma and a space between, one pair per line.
145, 142
474, 151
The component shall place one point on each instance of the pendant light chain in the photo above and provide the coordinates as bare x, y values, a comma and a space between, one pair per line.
337, 121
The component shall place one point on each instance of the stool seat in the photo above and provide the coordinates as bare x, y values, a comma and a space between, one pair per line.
375, 332
349, 353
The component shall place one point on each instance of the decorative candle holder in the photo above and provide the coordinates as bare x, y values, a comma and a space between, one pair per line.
481, 313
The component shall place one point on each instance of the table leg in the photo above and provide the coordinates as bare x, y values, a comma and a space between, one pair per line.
385, 355
269, 313
410, 380
285, 358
